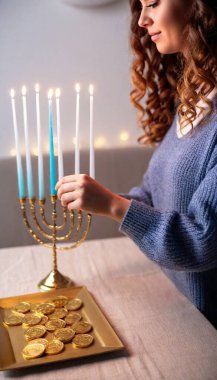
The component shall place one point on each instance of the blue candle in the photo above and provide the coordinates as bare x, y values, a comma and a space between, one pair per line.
52, 157
21, 187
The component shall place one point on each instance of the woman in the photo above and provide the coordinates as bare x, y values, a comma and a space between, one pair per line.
172, 216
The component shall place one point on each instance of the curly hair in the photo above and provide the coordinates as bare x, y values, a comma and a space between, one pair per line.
173, 82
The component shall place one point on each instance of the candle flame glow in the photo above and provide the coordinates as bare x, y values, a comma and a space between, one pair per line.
77, 87
12, 93
57, 93
23, 90
50, 94
37, 87
91, 89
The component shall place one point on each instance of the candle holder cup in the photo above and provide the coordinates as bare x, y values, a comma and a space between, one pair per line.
48, 234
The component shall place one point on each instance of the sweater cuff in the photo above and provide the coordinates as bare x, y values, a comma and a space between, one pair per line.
138, 218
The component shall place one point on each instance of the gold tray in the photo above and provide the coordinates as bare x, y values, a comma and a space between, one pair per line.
12, 338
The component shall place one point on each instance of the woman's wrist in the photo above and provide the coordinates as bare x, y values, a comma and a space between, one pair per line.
118, 207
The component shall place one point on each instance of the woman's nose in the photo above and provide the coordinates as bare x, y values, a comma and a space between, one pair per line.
144, 20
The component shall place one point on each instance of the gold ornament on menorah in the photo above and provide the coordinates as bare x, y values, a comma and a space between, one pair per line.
42, 227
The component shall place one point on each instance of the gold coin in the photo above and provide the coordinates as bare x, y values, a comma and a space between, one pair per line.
83, 340
44, 318
22, 307
58, 313
54, 347
45, 308
33, 350
60, 301
34, 307
35, 332
72, 317
65, 335
54, 324
13, 319
74, 304
39, 340
81, 327
31, 320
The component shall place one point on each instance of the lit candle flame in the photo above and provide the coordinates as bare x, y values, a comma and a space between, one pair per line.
12, 93
50, 94
77, 87
37, 87
23, 90
91, 89
57, 93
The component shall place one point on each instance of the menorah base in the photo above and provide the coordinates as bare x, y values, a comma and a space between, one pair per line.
55, 280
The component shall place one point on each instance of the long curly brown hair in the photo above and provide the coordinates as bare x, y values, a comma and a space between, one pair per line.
173, 82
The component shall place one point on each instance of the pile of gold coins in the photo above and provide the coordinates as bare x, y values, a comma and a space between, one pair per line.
59, 318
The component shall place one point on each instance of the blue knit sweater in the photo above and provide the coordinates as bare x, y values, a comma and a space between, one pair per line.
172, 216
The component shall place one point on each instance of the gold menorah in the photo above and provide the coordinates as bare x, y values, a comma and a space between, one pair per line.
47, 234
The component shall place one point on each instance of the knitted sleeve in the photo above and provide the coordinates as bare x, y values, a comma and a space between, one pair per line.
140, 193
178, 241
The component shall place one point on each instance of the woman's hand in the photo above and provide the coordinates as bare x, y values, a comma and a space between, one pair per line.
80, 191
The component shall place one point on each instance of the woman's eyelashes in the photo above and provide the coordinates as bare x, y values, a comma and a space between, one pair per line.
152, 5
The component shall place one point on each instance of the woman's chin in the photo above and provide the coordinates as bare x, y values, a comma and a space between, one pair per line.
166, 49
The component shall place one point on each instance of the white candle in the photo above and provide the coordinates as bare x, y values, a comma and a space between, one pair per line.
77, 142
40, 153
92, 157
28, 157
20, 178
59, 136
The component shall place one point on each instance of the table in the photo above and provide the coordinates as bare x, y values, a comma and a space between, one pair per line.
165, 336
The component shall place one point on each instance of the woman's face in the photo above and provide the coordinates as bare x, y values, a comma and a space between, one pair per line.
165, 17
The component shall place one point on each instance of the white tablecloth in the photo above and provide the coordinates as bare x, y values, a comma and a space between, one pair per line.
165, 335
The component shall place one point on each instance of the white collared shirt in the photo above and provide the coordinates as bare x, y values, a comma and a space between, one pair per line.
200, 115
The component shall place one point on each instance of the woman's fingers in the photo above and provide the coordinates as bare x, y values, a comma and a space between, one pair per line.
69, 197
67, 187
69, 178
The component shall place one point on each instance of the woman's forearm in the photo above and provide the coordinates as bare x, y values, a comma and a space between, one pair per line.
118, 207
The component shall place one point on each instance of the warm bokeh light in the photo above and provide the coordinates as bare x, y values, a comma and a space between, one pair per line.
35, 152
100, 142
13, 152
124, 136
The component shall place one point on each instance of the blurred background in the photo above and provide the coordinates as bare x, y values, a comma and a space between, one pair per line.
58, 43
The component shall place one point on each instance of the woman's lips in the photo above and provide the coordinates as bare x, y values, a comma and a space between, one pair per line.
155, 36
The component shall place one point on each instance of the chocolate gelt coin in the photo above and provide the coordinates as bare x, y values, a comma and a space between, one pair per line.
35, 332
55, 324
60, 301
74, 304
65, 335
81, 327
82, 340
54, 347
72, 317
22, 307
33, 350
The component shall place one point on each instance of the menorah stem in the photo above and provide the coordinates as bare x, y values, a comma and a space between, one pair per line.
54, 216
55, 279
